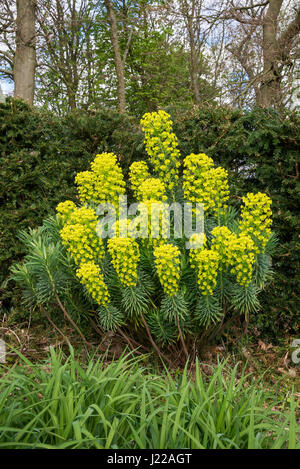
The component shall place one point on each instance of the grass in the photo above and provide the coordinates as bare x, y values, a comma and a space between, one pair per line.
122, 404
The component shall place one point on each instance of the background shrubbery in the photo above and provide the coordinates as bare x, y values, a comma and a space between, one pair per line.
41, 153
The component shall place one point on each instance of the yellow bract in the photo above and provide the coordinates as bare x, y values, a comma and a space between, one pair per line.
198, 242
221, 242
91, 277
84, 216
236, 252
167, 262
152, 189
79, 235
255, 219
82, 243
104, 183
161, 146
65, 209
137, 174
125, 256
241, 252
206, 263
204, 184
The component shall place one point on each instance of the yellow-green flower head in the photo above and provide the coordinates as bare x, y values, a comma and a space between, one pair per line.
256, 219
91, 277
161, 146
154, 217
82, 243
219, 176
65, 209
104, 183
242, 258
86, 182
152, 189
126, 228
235, 252
197, 164
125, 256
197, 242
138, 172
121, 228
221, 242
206, 263
84, 216
167, 262
202, 183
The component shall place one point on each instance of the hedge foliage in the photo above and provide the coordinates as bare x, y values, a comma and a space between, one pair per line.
41, 153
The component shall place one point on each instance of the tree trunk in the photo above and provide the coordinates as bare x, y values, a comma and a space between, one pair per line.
193, 51
25, 55
119, 65
269, 93
276, 50
194, 70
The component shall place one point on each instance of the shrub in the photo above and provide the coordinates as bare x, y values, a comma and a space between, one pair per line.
136, 278
41, 153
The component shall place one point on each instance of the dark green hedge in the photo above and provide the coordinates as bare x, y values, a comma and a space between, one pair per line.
41, 153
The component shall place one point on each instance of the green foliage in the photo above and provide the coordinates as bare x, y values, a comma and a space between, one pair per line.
208, 311
260, 149
222, 263
65, 405
163, 71
40, 155
47, 272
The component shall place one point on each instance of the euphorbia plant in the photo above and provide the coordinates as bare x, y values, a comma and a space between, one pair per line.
167, 285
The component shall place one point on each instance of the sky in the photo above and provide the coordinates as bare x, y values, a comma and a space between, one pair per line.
7, 87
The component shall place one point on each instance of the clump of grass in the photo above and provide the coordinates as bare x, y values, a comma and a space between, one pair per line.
63, 404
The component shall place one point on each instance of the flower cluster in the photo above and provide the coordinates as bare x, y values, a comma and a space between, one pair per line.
197, 242
255, 219
152, 189
206, 263
125, 256
241, 252
161, 146
104, 183
84, 216
202, 183
82, 243
86, 182
221, 243
197, 164
138, 172
235, 252
158, 226
65, 209
220, 188
91, 277
167, 262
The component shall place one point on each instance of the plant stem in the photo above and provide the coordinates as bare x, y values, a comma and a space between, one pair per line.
182, 339
128, 340
159, 353
68, 317
53, 324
